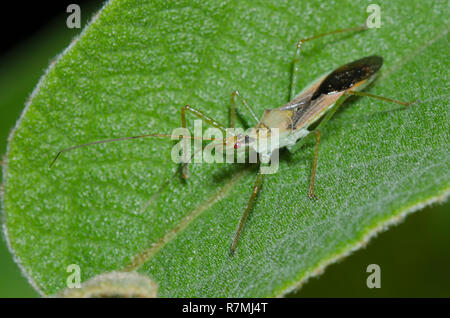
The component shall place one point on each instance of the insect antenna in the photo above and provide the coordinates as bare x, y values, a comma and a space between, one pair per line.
126, 138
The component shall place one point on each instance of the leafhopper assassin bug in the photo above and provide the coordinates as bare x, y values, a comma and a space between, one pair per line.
293, 121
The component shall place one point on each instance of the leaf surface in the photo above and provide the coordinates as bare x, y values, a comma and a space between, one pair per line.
130, 72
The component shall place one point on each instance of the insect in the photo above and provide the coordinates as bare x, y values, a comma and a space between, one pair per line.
293, 121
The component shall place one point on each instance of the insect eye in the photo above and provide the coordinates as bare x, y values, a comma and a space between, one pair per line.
237, 145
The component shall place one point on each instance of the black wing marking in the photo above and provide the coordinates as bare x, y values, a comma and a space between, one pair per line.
348, 75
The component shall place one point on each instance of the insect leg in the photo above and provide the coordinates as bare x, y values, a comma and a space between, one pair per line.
203, 117
295, 67
327, 117
325, 120
256, 188
380, 97
316, 132
300, 144
234, 97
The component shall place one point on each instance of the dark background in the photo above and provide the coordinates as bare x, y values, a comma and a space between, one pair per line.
20, 21
414, 256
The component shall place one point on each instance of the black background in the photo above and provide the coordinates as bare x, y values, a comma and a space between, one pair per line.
21, 20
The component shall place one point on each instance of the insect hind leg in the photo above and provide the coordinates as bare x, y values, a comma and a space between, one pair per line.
295, 67
386, 99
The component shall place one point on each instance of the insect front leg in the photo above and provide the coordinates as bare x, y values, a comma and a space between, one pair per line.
206, 119
295, 64
235, 97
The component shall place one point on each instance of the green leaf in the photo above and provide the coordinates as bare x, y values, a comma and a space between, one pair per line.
130, 72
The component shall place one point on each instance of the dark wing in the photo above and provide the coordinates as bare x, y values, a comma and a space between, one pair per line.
348, 75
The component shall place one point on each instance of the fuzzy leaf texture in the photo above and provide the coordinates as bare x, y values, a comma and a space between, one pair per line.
129, 73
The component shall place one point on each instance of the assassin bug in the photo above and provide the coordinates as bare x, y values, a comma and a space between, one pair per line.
319, 101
